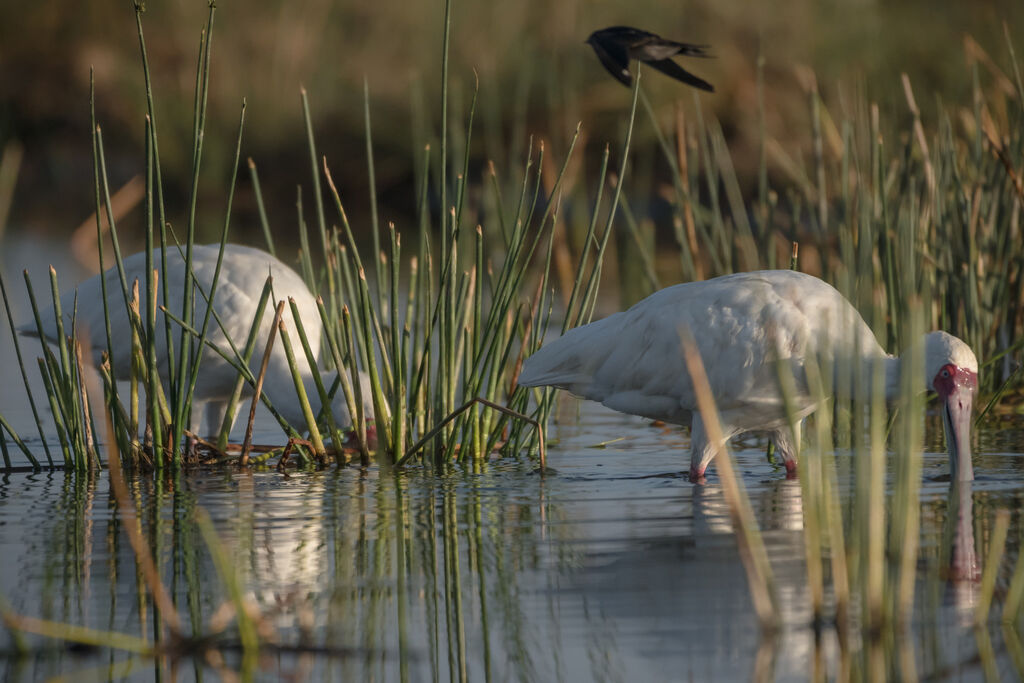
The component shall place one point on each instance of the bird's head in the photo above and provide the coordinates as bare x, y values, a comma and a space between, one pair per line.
951, 369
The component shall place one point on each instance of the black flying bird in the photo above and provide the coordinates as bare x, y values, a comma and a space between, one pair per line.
616, 45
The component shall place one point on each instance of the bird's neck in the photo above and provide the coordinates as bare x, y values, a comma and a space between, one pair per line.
892, 378
861, 377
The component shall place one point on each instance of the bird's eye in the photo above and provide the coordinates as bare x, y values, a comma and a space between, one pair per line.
945, 373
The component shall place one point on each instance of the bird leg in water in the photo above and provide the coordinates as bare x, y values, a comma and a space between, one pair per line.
701, 450
787, 445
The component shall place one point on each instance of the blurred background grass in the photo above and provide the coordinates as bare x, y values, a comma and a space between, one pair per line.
536, 77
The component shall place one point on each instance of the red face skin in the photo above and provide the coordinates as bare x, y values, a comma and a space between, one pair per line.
950, 378
956, 387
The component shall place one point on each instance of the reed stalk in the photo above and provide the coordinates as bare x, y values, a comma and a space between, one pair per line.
993, 559
250, 346
748, 536
24, 374
183, 399
254, 177
1015, 592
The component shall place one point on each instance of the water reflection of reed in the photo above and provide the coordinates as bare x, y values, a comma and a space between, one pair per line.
491, 574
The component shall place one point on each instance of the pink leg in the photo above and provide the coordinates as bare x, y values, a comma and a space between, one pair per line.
701, 452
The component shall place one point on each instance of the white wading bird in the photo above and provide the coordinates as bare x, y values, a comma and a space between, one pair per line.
633, 361
242, 277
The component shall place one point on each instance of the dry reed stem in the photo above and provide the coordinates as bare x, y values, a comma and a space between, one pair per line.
90, 442
922, 141
748, 538
466, 406
83, 239
683, 164
146, 564
999, 153
77, 634
247, 441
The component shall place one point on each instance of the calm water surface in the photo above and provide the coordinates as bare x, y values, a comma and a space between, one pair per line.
612, 568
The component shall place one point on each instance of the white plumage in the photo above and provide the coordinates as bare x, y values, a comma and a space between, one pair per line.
632, 361
243, 274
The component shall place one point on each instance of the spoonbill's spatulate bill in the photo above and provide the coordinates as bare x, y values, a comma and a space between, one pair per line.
243, 274
742, 324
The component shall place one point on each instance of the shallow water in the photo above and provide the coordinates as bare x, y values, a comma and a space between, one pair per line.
614, 567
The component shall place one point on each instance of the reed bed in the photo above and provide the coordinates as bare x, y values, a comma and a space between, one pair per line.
422, 334
451, 320
919, 227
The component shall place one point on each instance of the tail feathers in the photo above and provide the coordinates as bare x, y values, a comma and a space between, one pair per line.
556, 367
571, 361
691, 50
577, 384
670, 68
28, 330
49, 328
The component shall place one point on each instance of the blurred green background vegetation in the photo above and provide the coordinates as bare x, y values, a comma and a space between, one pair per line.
536, 77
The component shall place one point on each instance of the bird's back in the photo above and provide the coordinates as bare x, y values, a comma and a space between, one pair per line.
633, 362
243, 274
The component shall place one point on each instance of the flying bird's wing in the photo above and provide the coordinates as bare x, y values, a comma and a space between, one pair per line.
691, 50
647, 46
614, 56
670, 68
652, 47
626, 35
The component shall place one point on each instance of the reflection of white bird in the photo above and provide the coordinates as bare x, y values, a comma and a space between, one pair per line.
632, 361
242, 278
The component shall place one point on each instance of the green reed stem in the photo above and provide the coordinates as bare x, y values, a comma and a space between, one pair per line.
57, 411
229, 577
590, 296
992, 561
234, 359
336, 355
319, 200
254, 177
250, 345
300, 390
21, 368
325, 401
154, 390
98, 179
21, 445
183, 399
907, 501
1015, 592
372, 179
211, 295
349, 337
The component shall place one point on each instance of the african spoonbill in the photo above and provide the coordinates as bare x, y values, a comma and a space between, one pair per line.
243, 274
632, 361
